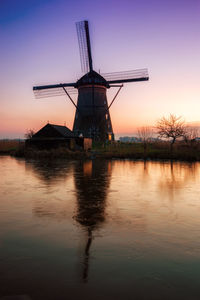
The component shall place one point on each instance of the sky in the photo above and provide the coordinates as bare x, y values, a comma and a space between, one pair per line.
39, 46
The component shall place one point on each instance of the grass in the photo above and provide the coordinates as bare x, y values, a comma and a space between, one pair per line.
8, 146
156, 150
18, 149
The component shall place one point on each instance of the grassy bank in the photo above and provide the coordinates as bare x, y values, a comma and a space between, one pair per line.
157, 150
18, 149
10, 146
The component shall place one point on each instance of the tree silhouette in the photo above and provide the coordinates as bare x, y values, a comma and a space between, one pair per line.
145, 135
191, 133
29, 133
172, 128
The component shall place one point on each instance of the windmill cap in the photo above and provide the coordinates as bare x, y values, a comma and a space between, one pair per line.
92, 78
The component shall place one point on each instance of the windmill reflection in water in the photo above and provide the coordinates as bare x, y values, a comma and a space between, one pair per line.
92, 181
92, 185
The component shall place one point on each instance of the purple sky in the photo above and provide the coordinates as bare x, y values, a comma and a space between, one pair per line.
39, 46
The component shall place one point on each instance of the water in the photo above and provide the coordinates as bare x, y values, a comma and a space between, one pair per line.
99, 230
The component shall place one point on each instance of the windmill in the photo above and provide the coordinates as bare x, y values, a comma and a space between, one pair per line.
92, 116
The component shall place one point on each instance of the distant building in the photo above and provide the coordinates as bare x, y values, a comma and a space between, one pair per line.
134, 139
54, 136
129, 139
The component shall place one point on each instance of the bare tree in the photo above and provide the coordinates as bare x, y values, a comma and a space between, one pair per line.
145, 134
29, 133
172, 128
191, 133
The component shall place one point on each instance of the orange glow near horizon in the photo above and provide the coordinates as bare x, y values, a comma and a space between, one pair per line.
126, 114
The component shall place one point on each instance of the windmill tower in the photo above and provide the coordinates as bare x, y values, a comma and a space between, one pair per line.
92, 116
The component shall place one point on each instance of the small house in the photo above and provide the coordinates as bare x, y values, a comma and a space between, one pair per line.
55, 136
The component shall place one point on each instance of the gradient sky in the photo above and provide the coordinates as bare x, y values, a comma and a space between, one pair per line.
39, 46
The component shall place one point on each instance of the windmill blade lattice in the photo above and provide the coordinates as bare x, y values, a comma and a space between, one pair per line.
46, 93
126, 76
84, 46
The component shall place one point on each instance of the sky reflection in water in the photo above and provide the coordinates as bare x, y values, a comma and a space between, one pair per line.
99, 229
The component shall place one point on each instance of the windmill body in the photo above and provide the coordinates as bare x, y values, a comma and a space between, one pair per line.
92, 116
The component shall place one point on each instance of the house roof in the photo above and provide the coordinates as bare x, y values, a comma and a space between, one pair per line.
54, 131
63, 130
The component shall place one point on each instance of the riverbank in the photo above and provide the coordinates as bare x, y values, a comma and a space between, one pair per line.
181, 151
8, 147
156, 150
18, 149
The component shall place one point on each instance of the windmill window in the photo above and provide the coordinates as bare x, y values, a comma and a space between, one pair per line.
106, 116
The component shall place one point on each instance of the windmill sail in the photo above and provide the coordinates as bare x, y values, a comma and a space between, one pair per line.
84, 46
126, 76
53, 92
52, 86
